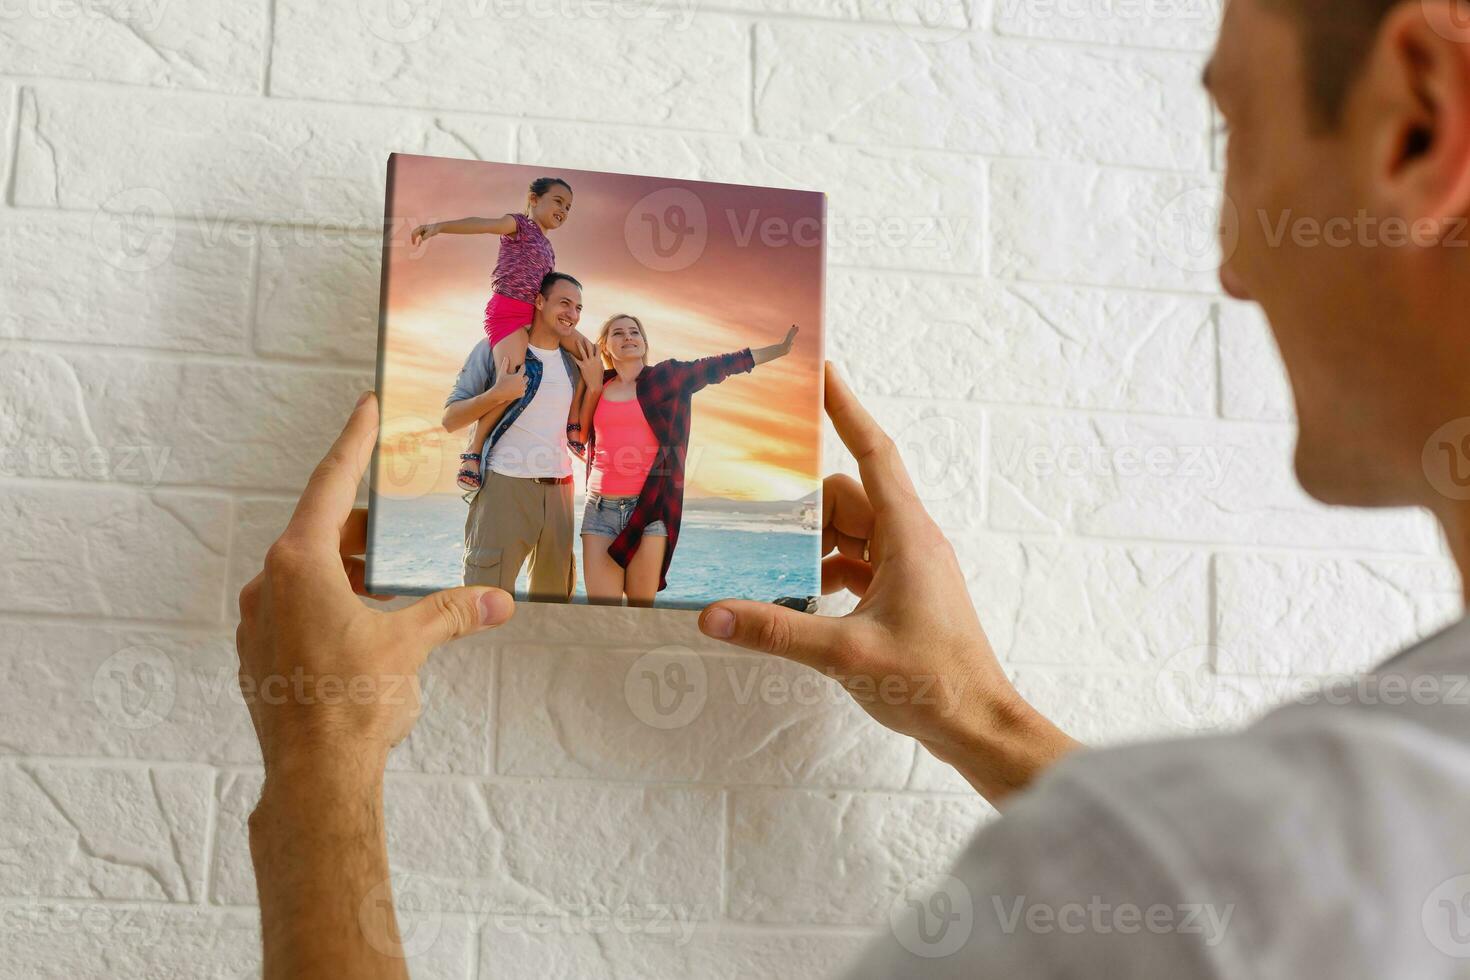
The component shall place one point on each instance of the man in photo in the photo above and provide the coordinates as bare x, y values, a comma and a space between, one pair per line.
524, 505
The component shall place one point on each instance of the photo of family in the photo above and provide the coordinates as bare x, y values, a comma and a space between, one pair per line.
597, 388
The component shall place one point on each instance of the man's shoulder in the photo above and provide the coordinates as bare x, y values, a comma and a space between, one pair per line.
479, 354
477, 374
480, 362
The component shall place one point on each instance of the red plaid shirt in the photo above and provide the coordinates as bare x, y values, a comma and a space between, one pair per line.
664, 391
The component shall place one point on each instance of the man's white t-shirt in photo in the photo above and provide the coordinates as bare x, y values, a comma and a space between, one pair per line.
535, 444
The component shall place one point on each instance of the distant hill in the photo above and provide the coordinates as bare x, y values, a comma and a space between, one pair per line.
729, 505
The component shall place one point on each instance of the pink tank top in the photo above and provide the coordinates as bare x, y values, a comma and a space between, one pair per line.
625, 450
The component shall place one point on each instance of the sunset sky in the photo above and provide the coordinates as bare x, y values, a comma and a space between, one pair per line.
755, 437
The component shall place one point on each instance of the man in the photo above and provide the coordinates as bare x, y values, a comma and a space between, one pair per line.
524, 505
1325, 841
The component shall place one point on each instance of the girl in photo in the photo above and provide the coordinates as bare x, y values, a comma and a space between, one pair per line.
637, 428
526, 256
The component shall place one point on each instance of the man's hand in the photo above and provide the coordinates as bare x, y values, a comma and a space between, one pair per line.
912, 652
510, 384
302, 626
332, 686
422, 234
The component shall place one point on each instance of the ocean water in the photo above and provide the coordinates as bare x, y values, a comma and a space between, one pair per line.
417, 547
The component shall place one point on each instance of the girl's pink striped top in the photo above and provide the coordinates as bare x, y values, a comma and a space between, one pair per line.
525, 259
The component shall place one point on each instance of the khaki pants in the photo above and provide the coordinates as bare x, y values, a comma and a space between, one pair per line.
512, 518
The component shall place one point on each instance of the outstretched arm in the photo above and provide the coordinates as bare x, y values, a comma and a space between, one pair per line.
503, 225
764, 354
692, 376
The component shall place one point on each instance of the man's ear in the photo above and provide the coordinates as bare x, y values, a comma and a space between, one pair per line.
1420, 114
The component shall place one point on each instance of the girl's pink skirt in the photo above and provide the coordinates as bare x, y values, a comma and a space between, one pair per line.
504, 316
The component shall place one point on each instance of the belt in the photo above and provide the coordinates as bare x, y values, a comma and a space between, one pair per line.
551, 481
598, 500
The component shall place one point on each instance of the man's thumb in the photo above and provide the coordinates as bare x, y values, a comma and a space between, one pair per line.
770, 628
436, 619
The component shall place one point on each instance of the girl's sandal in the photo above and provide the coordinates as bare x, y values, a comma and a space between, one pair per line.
468, 479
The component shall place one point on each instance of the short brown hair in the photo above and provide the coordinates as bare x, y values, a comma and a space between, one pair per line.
607, 329
1336, 39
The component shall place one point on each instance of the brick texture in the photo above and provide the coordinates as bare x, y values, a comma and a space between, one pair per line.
1020, 287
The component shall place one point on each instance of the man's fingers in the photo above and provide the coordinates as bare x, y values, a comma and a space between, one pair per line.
841, 572
436, 619
326, 503
356, 570
769, 628
859, 548
846, 511
354, 532
884, 477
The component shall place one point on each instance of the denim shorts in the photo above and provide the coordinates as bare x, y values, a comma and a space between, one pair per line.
607, 516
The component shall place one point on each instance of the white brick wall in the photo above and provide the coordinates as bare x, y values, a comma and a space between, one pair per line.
188, 308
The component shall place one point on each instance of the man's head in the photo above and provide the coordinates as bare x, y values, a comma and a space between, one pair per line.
1348, 168
558, 305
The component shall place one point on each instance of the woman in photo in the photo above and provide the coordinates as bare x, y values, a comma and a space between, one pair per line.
524, 259
636, 428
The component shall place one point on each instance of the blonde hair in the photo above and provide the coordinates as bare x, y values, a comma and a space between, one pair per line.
602, 335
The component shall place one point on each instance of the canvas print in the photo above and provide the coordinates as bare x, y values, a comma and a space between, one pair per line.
597, 387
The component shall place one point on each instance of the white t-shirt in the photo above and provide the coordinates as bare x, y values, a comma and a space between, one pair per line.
535, 444
1330, 839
